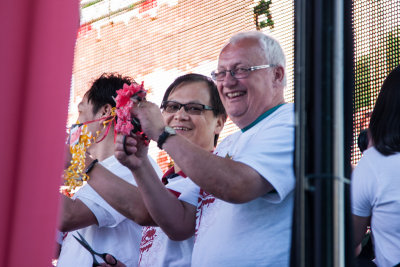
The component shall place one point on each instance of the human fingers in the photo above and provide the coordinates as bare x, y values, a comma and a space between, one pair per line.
119, 140
111, 261
151, 119
124, 146
127, 141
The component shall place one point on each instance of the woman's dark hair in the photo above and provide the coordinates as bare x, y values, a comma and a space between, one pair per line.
105, 88
385, 118
216, 104
362, 140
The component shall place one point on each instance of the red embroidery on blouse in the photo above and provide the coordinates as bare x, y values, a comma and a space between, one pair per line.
205, 200
148, 235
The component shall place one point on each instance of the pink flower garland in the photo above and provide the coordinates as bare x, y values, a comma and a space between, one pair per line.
124, 103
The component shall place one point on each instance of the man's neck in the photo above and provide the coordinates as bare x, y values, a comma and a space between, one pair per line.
103, 149
263, 115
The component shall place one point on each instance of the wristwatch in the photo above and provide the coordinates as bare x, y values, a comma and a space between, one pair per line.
168, 131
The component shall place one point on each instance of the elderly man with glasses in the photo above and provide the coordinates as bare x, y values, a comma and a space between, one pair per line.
246, 186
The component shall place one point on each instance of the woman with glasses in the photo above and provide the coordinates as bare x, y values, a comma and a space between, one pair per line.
191, 108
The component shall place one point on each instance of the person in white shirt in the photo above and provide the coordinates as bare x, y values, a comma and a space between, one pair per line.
375, 184
104, 228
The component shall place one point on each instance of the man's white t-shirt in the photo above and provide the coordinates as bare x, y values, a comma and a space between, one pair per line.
156, 248
256, 233
375, 190
115, 234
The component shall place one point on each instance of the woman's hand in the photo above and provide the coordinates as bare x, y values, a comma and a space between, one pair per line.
150, 117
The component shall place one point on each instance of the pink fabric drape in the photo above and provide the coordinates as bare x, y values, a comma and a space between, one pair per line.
36, 56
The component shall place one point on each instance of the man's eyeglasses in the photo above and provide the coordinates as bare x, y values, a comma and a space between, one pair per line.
190, 108
238, 73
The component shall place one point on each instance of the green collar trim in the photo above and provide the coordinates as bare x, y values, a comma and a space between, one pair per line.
262, 116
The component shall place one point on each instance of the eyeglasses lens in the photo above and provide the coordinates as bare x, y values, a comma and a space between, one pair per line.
190, 108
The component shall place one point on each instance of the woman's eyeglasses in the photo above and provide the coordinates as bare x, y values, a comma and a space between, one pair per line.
190, 108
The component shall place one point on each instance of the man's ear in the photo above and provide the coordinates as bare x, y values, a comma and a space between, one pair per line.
105, 111
279, 73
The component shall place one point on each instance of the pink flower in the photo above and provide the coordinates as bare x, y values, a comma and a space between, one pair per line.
124, 105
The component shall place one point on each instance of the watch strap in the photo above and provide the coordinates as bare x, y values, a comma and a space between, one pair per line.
164, 135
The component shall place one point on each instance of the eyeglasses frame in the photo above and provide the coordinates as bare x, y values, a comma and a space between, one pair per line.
249, 69
163, 104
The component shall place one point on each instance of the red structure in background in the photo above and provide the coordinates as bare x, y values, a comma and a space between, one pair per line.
84, 29
164, 161
147, 5
36, 54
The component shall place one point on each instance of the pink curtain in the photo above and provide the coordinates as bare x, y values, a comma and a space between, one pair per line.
36, 54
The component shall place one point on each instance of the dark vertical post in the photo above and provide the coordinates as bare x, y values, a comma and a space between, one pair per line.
323, 80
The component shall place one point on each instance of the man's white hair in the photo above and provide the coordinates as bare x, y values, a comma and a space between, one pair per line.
271, 47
